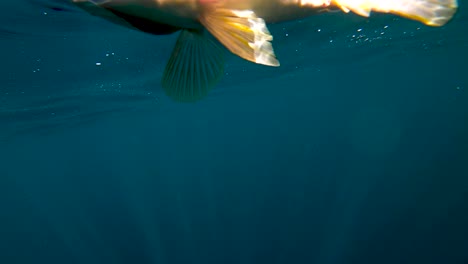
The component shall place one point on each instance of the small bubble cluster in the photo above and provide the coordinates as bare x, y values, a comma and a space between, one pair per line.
363, 36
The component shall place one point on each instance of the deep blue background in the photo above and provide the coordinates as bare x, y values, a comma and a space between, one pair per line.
355, 150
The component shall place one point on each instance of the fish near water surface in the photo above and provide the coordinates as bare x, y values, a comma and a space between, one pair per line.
197, 61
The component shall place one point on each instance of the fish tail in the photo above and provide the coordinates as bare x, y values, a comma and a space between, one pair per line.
429, 12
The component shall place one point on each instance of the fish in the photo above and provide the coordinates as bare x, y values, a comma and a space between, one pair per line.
209, 27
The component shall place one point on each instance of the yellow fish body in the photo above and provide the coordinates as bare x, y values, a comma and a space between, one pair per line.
197, 61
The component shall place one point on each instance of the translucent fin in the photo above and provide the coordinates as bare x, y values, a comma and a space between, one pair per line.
429, 12
242, 32
195, 66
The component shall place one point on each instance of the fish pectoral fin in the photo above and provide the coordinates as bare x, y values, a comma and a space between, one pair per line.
194, 68
242, 33
429, 12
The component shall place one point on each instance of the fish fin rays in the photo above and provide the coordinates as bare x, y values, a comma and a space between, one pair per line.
242, 33
196, 65
429, 12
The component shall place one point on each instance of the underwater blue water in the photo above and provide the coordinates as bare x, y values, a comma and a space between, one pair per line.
355, 150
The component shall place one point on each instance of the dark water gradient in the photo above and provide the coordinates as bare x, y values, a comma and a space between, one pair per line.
354, 151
